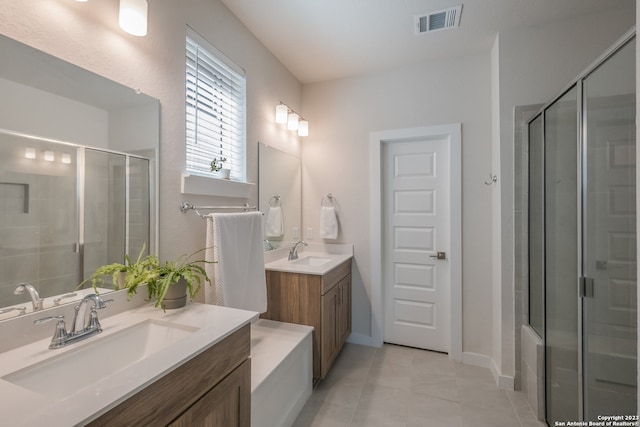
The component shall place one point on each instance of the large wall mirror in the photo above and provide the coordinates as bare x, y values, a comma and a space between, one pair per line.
78, 175
279, 196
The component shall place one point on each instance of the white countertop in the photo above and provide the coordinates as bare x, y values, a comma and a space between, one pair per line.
291, 267
22, 407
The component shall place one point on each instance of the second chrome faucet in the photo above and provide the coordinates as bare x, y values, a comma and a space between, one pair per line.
33, 293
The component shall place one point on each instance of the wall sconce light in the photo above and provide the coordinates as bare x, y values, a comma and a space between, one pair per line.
303, 128
133, 17
30, 153
49, 156
282, 113
66, 158
294, 121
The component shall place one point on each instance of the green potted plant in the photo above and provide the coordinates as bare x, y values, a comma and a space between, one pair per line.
217, 165
177, 279
127, 276
168, 282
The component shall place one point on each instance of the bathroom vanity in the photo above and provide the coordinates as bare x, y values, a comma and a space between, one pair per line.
314, 290
147, 367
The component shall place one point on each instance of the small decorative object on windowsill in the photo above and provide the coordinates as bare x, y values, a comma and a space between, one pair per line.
168, 282
217, 166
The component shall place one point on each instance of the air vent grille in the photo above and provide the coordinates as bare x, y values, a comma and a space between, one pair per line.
438, 20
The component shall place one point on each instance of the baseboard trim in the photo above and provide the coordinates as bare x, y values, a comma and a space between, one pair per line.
360, 339
505, 382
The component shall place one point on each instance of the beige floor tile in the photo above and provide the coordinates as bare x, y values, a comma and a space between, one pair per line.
433, 412
387, 373
435, 385
396, 354
318, 413
399, 386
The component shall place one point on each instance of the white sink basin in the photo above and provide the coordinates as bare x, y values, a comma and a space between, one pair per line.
312, 261
61, 376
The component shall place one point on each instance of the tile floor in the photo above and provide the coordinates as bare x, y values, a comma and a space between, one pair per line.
398, 386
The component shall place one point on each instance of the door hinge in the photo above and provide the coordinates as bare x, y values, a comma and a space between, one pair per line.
586, 287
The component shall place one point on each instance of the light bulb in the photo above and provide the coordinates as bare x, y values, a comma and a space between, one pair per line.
133, 17
30, 153
281, 113
292, 121
303, 128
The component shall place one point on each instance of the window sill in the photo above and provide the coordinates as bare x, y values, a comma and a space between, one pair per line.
208, 186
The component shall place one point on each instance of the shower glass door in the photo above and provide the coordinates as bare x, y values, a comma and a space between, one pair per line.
609, 238
561, 258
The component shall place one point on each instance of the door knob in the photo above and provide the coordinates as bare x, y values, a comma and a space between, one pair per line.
439, 255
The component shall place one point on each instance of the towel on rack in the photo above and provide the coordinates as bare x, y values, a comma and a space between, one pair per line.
328, 222
274, 222
238, 276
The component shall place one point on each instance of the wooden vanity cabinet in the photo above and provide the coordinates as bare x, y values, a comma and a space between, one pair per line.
323, 302
213, 389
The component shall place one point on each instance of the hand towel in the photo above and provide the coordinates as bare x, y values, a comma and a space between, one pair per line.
274, 222
238, 275
328, 222
211, 291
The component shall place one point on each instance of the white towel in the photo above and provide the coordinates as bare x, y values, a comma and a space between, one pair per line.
275, 222
238, 275
328, 222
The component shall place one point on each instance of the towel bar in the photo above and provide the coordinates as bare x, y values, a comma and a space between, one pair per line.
185, 206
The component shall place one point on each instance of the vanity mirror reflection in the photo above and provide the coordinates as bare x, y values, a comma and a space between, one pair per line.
279, 195
78, 174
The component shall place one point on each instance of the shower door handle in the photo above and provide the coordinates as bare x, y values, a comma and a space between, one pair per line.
586, 287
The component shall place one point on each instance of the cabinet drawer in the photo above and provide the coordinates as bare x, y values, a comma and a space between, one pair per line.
332, 278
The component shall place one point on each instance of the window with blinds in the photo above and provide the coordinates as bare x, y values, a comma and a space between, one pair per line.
216, 110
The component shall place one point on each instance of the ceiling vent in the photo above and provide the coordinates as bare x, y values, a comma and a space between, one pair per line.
439, 20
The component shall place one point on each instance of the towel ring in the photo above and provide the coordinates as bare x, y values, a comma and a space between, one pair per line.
276, 200
330, 199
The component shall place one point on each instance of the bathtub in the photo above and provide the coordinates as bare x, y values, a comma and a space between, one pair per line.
281, 372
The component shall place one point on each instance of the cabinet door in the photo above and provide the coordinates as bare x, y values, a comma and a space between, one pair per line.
226, 405
330, 316
344, 311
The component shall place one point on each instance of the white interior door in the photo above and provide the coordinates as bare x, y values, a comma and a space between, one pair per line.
416, 227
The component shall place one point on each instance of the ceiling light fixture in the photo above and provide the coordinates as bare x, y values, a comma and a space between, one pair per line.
133, 17
293, 120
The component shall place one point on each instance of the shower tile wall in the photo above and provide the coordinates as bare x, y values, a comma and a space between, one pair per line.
37, 229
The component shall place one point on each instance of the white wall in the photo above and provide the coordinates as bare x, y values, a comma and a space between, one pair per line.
335, 160
87, 34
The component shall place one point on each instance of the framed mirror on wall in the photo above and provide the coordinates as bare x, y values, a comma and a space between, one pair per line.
78, 175
279, 196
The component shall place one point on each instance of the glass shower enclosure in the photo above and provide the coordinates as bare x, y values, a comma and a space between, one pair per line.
582, 241
65, 210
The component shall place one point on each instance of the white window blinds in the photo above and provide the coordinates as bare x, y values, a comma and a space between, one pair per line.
216, 110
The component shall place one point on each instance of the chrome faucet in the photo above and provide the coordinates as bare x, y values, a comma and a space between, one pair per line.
80, 329
79, 322
293, 253
33, 293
